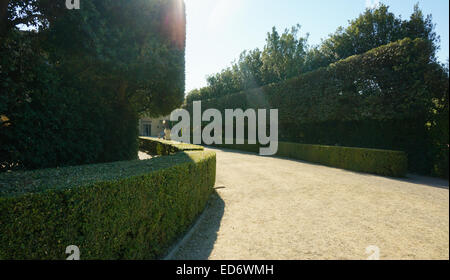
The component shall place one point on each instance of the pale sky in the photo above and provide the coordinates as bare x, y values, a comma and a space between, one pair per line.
219, 30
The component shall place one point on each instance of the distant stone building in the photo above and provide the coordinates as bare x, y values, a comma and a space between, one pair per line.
153, 127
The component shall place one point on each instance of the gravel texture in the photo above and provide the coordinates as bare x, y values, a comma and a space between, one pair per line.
273, 208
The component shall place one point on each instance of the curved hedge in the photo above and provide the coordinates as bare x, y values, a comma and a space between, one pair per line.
154, 146
120, 210
380, 162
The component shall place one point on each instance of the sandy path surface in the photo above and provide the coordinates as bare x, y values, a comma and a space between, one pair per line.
144, 156
273, 208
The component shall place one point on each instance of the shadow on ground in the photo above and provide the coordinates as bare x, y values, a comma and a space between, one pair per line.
424, 180
201, 243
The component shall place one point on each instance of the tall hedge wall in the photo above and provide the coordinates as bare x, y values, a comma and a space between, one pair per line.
391, 97
120, 210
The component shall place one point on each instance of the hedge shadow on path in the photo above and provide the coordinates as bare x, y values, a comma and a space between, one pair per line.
201, 243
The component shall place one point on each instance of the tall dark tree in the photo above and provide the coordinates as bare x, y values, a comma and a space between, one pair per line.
83, 76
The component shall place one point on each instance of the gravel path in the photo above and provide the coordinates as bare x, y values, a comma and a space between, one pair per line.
144, 156
273, 208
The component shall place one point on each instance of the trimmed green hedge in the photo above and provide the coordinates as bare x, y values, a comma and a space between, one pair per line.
154, 146
380, 162
121, 210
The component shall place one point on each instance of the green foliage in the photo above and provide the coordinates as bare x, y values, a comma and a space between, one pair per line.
54, 121
137, 53
47, 124
380, 162
161, 147
121, 210
381, 99
383, 84
287, 55
377, 27
439, 126
71, 90
283, 57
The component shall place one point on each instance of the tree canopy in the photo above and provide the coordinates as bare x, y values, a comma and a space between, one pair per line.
88, 74
289, 55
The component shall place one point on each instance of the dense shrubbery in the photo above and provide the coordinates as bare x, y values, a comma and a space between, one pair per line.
120, 210
392, 97
54, 122
380, 162
71, 91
